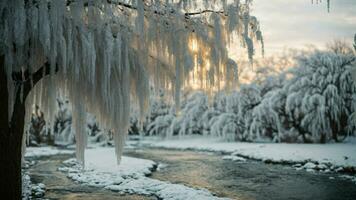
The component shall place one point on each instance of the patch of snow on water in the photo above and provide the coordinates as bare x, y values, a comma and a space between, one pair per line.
234, 158
164, 190
349, 177
161, 166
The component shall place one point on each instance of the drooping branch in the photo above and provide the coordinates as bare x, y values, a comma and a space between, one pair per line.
28, 80
203, 12
132, 7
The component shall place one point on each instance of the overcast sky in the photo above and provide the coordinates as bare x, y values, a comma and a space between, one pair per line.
295, 23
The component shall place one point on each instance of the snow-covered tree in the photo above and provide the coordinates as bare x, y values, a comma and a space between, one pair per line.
161, 125
189, 119
210, 115
268, 117
234, 122
321, 93
37, 130
250, 96
62, 126
159, 106
102, 53
160, 116
225, 126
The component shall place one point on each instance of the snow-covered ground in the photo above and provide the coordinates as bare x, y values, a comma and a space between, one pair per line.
341, 155
101, 170
45, 151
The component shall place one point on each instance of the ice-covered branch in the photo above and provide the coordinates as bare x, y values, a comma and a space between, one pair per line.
30, 80
203, 12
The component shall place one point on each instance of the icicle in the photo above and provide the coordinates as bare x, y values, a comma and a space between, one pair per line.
108, 56
69, 45
248, 41
233, 18
79, 119
19, 22
44, 27
63, 52
57, 11
77, 39
140, 18
125, 89
92, 58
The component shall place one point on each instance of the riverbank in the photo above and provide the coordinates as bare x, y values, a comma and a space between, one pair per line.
333, 155
207, 172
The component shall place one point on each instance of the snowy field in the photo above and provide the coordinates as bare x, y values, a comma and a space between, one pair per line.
102, 171
341, 155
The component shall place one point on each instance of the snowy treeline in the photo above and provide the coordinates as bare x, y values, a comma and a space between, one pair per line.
312, 102
42, 132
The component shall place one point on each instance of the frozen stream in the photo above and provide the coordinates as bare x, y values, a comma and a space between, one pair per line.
246, 180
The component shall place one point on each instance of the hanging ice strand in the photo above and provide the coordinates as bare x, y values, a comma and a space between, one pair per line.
79, 121
103, 53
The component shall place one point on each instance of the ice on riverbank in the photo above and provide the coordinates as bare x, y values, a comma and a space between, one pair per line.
101, 170
234, 158
342, 155
45, 151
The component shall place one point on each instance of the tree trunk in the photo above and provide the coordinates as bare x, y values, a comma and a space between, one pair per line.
10, 141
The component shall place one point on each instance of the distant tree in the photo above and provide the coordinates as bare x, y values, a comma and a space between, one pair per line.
62, 126
37, 127
321, 93
188, 121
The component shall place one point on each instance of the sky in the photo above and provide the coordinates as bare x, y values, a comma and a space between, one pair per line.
296, 23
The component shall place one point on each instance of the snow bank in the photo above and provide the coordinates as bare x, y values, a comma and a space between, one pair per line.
234, 158
26, 186
104, 160
101, 170
163, 190
45, 151
335, 154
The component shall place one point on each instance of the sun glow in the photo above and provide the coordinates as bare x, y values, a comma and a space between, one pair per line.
207, 75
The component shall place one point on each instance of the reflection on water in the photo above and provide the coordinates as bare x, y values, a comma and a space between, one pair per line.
248, 180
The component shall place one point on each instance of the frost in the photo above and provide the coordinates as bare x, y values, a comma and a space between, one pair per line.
312, 102
105, 55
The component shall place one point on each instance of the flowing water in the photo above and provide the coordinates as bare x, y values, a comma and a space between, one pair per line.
247, 180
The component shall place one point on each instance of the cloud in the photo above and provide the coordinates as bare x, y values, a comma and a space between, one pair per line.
295, 23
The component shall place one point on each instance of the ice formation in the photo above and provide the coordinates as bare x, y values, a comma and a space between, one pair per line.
102, 54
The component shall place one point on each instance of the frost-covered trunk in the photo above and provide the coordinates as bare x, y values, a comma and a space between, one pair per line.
12, 127
11, 132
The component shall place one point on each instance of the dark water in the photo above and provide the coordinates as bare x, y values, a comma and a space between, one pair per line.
249, 180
